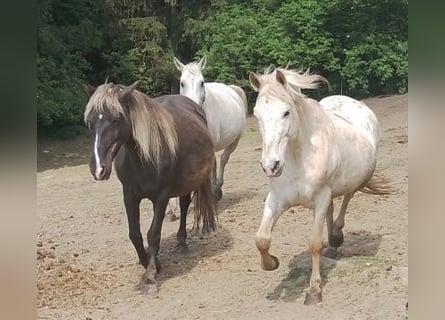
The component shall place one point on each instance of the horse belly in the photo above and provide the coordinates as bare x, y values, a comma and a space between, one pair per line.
193, 166
355, 167
225, 115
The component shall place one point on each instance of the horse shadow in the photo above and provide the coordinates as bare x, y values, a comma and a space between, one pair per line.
202, 250
294, 284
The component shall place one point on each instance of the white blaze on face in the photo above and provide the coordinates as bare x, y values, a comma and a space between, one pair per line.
274, 120
96, 151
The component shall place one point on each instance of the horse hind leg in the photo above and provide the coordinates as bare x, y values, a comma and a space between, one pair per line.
330, 251
172, 208
336, 237
225, 156
181, 236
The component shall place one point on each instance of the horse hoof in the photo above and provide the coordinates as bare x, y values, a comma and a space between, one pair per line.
181, 249
271, 266
336, 240
330, 252
218, 194
149, 289
312, 298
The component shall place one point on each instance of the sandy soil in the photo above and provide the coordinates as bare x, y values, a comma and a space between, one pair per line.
87, 267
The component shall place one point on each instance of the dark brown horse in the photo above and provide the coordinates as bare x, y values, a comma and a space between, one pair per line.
161, 148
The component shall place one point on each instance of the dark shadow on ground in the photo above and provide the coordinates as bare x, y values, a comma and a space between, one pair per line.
201, 249
357, 243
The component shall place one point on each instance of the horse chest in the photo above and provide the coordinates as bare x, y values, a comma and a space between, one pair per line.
293, 190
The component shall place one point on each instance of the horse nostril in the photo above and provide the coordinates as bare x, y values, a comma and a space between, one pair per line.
276, 165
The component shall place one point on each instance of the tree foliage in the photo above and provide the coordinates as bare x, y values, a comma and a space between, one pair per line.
361, 46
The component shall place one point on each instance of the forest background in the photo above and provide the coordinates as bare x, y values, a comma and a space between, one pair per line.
360, 46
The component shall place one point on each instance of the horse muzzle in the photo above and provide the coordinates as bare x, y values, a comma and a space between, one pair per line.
272, 169
100, 171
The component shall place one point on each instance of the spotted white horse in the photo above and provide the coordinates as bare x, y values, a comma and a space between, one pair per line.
225, 107
312, 152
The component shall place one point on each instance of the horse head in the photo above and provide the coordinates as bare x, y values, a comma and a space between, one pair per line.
277, 120
192, 80
106, 117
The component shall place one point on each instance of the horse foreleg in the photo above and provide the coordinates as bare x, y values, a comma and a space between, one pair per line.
272, 211
321, 206
181, 236
225, 156
154, 239
132, 204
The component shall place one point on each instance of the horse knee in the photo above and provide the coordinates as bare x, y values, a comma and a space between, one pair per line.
136, 238
315, 247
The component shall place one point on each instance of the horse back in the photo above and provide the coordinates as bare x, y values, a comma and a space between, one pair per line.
353, 117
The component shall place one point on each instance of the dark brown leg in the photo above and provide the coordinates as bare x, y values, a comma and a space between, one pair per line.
154, 238
184, 203
133, 212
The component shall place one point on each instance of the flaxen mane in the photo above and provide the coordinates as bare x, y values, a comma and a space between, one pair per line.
150, 123
296, 80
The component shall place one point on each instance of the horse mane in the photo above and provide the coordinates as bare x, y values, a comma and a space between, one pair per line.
296, 79
150, 124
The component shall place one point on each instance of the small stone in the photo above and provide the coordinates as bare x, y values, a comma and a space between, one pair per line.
389, 268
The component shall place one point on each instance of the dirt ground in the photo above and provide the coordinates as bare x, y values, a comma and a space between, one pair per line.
87, 267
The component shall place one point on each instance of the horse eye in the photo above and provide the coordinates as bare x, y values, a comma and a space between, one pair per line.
202, 84
115, 121
182, 84
286, 114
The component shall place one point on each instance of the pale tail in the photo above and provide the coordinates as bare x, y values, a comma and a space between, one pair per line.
377, 185
205, 207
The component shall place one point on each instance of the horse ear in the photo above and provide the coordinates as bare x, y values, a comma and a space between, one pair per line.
127, 90
178, 64
202, 63
89, 89
254, 81
281, 78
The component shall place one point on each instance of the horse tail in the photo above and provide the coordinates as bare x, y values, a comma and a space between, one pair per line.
205, 207
241, 93
378, 185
